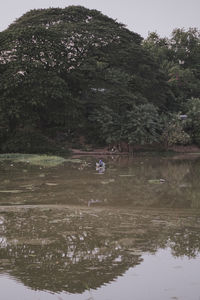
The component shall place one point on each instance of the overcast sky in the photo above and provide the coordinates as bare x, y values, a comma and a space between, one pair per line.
141, 16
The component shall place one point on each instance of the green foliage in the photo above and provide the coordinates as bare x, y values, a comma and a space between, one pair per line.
185, 46
174, 131
82, 72
142, 125
179, 59
54, 60
107, 125
192, 108
29, 141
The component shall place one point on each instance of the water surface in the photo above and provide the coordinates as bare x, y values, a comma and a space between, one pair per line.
131, 231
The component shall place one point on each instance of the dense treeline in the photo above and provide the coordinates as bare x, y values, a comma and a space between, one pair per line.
73, 72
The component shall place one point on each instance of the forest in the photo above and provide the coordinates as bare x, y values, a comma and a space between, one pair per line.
73, 77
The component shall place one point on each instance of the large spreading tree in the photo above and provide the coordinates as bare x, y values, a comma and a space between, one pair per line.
59, 67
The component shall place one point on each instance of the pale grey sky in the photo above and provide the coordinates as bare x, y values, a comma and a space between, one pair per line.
141, 16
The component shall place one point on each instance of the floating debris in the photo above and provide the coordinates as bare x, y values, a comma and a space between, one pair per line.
28, 186
1, 220
11, 191
126, 175
156, 181
42, 175
92, 201
108, 181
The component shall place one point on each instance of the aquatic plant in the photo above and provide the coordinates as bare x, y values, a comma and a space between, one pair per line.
34, 159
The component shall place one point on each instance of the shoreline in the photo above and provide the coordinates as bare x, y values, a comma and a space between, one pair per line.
138, 149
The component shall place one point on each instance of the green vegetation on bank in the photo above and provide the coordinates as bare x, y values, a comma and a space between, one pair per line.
38, 160
33, 159
74, 73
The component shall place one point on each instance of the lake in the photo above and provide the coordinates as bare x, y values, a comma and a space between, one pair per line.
69, 230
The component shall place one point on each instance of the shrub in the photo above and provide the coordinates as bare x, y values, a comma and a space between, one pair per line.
174, 133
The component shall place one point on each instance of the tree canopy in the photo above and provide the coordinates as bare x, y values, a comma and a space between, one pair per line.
62, 68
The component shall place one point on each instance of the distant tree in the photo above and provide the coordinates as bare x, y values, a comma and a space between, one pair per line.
179, 58
185, 45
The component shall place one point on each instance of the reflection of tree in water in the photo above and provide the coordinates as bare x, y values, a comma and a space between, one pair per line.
63, 252
194, 191
70, 250
185, 242
175, 191
50, 268
139, 183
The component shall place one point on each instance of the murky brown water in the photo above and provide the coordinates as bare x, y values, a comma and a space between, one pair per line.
131, 231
